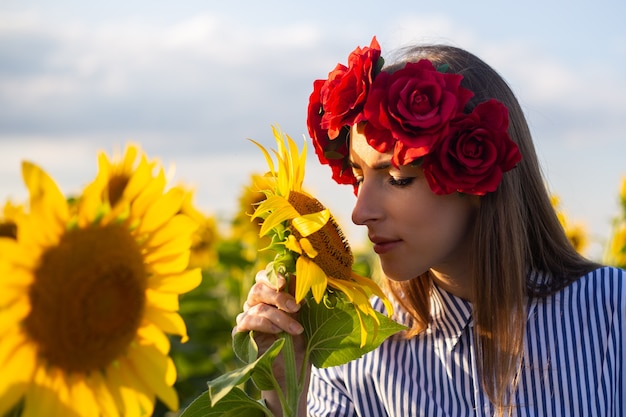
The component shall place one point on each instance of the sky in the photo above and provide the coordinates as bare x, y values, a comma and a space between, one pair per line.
191, 81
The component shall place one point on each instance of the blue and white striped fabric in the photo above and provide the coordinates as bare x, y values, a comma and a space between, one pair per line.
573, 361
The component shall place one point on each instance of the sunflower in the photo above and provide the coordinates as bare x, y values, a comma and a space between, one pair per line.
307, 230
89, 292
8, 226
245, 231
576, 233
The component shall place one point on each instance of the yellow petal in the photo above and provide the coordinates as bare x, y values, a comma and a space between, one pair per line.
143, 394
375, 289
308, 224
17, 254
149, 333
17, 361
268, 158
173, 264
16, 284
281, 210
148, 196
162, 210
106, 402
179, 225
292, 244
156, 371
176, 283
167, 321
309, 276
308, 248
130, 396
176, 246
14, 313
163, 300
48, 395
45, 192
81, 397
138, 181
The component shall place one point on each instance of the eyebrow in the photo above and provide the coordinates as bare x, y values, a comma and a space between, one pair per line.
378, 166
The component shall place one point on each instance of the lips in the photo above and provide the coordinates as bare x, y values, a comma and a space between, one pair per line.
383, 245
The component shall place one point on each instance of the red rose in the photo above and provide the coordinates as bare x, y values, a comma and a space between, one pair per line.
475, 153
414, 106
330, 152
336, 104
344, 93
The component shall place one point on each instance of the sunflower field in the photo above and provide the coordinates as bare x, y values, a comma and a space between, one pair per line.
121, 300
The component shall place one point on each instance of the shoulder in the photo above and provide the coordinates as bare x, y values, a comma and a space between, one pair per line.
606, 281
602, 290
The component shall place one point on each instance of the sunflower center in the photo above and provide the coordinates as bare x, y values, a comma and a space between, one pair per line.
8, 229
334, 257
87, 298
117, 184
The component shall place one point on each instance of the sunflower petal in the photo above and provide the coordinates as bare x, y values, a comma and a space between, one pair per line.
149, 333
16, 253
162, 210
14, 313
44, 192
47, 395
17, 361
130, 395
308, 224
179, 225
81, 397
169, 322
148, 196
309, 276
308, 248
268, 158
162, 300
176, 283
173, 264
375, 289
293, 245
106, 402
156, 371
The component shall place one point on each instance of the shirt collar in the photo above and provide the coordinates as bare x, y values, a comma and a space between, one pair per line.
450, 315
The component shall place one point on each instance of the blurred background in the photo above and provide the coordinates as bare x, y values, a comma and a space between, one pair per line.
191, 81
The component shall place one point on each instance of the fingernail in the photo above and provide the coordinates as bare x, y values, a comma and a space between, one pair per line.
292, 306
295, 328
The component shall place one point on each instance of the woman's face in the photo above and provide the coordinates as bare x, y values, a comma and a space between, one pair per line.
413, 229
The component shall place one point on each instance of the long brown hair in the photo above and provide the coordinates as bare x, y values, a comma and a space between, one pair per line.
516, 231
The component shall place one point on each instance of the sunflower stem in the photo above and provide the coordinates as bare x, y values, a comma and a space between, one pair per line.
292, 382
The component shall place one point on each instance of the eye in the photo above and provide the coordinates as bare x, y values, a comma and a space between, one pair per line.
401, 182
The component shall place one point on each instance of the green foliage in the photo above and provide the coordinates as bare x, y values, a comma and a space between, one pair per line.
334, 332
209, 312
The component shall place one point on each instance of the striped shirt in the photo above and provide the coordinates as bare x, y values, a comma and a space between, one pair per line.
573, 362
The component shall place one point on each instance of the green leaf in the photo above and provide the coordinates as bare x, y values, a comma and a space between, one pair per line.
245, 347
333, 331
247, 350
262, 368
235, 403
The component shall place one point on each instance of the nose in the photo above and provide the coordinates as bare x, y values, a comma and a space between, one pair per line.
367, 207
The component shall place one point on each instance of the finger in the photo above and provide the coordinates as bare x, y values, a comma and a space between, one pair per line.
262, 294
267, 319
261, 277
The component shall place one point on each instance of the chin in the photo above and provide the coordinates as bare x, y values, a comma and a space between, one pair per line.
400, 276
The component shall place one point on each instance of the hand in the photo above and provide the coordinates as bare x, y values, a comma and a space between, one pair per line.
268, 309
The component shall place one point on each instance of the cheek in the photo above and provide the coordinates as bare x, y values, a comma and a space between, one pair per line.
440, 222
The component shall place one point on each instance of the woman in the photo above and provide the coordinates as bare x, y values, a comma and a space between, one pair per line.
504, 316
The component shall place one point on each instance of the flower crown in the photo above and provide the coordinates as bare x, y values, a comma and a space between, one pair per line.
417, 113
